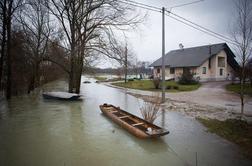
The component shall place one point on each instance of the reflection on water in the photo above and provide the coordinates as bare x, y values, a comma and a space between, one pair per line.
34, 131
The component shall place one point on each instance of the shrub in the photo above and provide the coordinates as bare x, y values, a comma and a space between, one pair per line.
175, 87
150, 110
187, 79
168, 87
156, 82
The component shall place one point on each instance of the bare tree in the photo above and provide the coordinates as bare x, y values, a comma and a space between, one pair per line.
124, 55
150, 109
3, 7
35, 21
88, 26
8, 8
242, 34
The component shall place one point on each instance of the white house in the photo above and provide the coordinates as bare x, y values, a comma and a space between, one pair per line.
207, 63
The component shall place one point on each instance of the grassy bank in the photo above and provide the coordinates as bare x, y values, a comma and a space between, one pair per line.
237, 131
105, 79
172, 86
100, 78
236, 88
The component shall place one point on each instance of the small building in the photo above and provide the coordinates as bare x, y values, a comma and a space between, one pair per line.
207, 63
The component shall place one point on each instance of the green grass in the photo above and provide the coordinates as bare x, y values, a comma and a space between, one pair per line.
237, 131
236, 88
148, 85
105, 79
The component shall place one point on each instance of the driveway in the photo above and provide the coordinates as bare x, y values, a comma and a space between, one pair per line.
214, 94
211, 94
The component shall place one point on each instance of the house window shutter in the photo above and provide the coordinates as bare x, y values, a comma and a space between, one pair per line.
209, 63
221, 72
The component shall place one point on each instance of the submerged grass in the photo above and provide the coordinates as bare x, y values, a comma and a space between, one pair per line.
172, 86
237, 131
236, 88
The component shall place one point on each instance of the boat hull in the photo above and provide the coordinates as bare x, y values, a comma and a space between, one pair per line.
131, 129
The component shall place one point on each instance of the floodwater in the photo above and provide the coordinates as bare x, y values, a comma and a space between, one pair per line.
34, 131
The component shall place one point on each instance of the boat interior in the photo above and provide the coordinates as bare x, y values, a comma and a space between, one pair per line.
130, 119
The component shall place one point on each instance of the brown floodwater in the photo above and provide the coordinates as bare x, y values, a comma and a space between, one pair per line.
34, 131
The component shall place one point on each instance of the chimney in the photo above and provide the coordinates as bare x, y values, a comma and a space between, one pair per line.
181, 46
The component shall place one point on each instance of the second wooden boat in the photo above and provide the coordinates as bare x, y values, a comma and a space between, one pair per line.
135, 125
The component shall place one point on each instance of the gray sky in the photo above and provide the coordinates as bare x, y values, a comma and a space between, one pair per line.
215, 15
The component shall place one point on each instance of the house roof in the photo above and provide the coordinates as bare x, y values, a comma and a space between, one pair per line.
192, 57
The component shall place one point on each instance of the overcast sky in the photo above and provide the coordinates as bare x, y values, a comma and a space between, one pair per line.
213, 14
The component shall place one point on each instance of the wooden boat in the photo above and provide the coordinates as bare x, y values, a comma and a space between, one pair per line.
86, 82
61, 96
135, 125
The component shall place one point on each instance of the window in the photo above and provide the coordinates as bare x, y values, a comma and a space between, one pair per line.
204, 70
221, 72
158, 70
172, 70
221, 61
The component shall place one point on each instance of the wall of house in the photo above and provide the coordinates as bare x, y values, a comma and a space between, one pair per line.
230, 72
213, 73
199, 71
224, 76
168, 75
155, 72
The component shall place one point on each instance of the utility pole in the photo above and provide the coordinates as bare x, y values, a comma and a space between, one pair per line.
126, 63
163, 54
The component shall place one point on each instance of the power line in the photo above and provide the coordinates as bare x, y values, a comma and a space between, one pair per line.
147, 7
204, 31
200, 26
142, 4
186, 4
180, 18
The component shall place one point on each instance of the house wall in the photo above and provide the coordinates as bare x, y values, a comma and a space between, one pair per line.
155, 73
213, 73
168, 75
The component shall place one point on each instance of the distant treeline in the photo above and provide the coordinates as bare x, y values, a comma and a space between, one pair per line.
119, 71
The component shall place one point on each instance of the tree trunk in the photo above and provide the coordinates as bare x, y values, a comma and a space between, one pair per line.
243, 79
242, 96
3, 44
34, 83
71, 73
9, 58
126, 64
37, 76
31, 84
78, 80
79, 66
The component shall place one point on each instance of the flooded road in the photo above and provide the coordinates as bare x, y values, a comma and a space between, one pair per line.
34, 131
